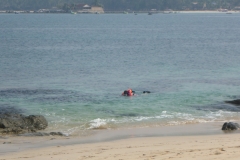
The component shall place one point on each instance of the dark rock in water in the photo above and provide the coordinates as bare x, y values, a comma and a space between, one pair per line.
18, 123
6, 108
34, 134
42, 134
230, 126
235, 102
146, 92
217, 107
38, 122
57, 134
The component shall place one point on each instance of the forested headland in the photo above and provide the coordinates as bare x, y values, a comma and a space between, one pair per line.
119, 5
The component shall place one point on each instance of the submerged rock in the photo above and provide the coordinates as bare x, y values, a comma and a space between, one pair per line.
235, 102
34, 134
43, 134
230, 126
57, 134
18, 123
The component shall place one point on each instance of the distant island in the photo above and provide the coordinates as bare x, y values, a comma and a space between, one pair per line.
101, 6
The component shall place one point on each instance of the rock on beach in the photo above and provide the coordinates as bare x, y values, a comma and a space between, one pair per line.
18, 123
230, 126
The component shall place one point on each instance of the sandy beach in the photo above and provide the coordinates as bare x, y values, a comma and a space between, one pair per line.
180, 147
211, 145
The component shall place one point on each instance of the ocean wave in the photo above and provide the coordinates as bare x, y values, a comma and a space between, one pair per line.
165, 118
100, 123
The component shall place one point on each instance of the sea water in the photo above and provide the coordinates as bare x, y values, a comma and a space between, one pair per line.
72, 69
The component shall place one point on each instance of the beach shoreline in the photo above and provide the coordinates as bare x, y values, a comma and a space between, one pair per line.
107, 141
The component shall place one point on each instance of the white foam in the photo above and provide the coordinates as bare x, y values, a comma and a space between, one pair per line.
70, 131
96, 123
142, 118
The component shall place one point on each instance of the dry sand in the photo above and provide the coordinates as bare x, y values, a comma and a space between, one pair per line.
196, 141
220, 147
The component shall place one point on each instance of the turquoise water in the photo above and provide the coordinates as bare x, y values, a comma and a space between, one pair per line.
73, 68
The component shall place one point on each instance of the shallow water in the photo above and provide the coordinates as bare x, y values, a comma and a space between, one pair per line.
73, 68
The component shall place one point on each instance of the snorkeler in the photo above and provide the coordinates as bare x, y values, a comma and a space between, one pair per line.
128, 92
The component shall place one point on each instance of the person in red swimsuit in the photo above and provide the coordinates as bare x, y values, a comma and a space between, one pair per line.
128, 92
